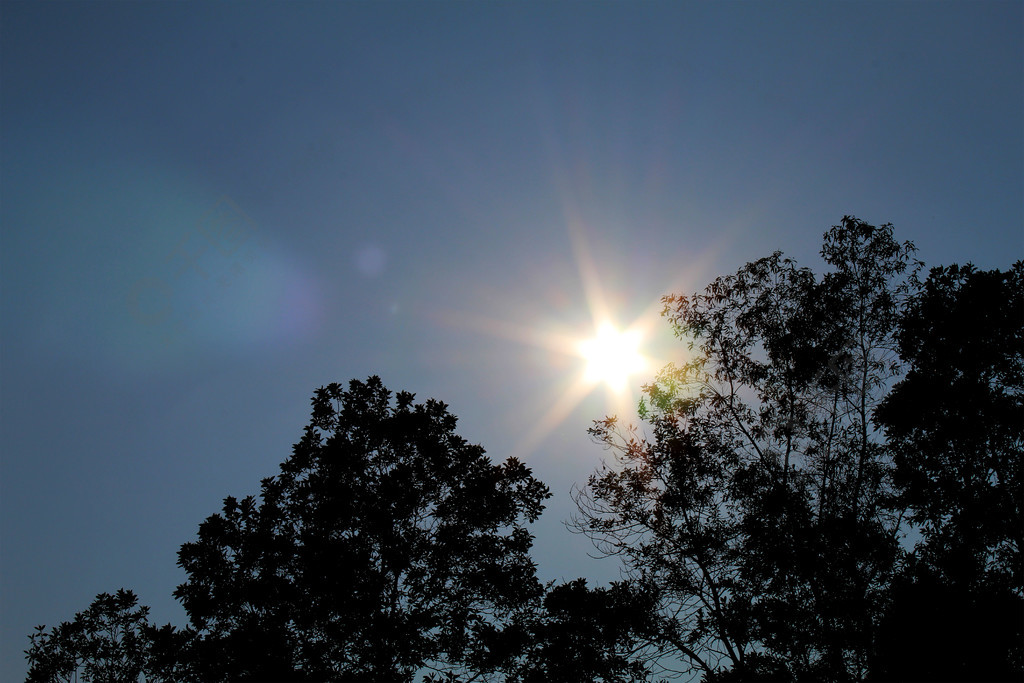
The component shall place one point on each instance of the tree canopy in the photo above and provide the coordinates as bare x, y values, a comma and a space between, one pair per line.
770, 495
111, 641
828, 487
955, 426
386, 545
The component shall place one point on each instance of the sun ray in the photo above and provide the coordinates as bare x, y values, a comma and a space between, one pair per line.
597, 303
609, 356
552, 341
553, 416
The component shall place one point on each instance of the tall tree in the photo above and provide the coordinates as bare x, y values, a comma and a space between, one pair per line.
956, 426
755, 504
955, 421
386, 546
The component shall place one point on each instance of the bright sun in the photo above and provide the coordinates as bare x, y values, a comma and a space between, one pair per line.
612, 355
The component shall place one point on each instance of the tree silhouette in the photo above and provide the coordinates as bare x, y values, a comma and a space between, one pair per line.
579, 635
829, 488
956, 426
387, 545
111, 641
388, 548
756, 502
955, 422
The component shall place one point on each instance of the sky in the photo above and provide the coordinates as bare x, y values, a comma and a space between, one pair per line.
210, 210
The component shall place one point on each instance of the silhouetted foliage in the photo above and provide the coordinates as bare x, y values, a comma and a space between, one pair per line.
829, 488
758, 502
956, 426
111, 641
956, 422
386, 545
388, 548
583, 634
575, 634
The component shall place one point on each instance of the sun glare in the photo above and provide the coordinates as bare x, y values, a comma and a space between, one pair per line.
612, 355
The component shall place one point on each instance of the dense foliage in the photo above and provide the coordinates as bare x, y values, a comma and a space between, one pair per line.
771, 498
827, 488
387, 544
109, 642
955, 425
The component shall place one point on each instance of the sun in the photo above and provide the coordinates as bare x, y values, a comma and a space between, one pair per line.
609, 358
612, 356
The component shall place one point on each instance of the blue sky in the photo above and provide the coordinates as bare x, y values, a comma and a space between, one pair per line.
209, 210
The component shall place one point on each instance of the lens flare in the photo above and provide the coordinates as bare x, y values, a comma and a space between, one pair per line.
612, 356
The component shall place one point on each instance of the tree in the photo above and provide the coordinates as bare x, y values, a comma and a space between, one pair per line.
582, 635
756, 503
828, 488
955, 421
386, 546
956, 426
111, 641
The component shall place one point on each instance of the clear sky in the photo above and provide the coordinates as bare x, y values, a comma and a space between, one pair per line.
209, 210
